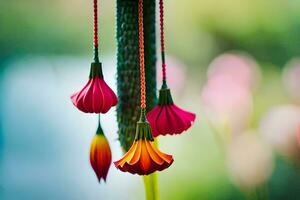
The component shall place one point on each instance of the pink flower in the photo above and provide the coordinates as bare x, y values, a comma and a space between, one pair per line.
167, 118
238, 66
96, 96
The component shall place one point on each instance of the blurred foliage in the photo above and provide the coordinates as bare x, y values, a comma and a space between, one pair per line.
268, 30
285, 182
51, 27
195, 30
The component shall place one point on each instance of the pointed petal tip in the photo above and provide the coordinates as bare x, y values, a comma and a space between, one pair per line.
193, 117
73, 98
99, 178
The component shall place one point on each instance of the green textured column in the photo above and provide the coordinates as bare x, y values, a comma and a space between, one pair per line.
128, 65
129, 74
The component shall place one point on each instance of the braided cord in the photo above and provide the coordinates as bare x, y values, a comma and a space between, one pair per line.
162, 41
142, 55
96, 58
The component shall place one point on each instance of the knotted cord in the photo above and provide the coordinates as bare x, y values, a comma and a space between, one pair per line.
142, 54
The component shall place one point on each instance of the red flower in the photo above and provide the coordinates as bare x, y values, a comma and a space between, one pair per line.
96, 96
143, 157
100, 155
167, 118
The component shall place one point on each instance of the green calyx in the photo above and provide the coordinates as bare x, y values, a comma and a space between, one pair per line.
96, 70
143, 129
99, 129
165, 97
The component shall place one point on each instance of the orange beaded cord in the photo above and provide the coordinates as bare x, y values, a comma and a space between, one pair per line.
142, 55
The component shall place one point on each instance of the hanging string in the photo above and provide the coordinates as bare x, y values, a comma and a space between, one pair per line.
142, 61
96, 58
162, 41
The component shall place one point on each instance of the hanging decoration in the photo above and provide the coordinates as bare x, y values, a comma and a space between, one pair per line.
143, 157
96, 96
135, 40
100, 154
166, 117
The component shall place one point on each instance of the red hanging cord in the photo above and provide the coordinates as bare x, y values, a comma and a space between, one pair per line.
96, 31
141, 49
162, 40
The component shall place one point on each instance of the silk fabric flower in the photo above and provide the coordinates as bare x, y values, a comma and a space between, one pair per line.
167, 118
100, 155
96, 96
143, 158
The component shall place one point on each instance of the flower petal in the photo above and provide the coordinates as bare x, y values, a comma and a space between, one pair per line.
100, 156
169, 119
154, 156
95, 97
146, 160
152, 117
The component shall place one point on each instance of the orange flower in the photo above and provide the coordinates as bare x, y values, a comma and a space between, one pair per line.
100, 155
143, 157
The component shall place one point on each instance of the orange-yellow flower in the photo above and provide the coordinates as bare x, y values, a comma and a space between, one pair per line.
100, 155
143, 157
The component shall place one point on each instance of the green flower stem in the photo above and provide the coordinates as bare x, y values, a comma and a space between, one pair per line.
151, 187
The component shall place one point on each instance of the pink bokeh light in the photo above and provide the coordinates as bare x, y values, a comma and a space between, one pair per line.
279, 127
291, 79
176, 74
240, 67
250, 160
225, 101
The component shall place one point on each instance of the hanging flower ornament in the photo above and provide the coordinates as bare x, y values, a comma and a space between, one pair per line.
166, 117
96, 96
143, 157
100, 154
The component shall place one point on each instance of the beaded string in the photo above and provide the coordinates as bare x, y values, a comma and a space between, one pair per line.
142, 61
162, 42
96, 58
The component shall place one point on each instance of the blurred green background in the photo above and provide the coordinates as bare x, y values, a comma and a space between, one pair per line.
45, 50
